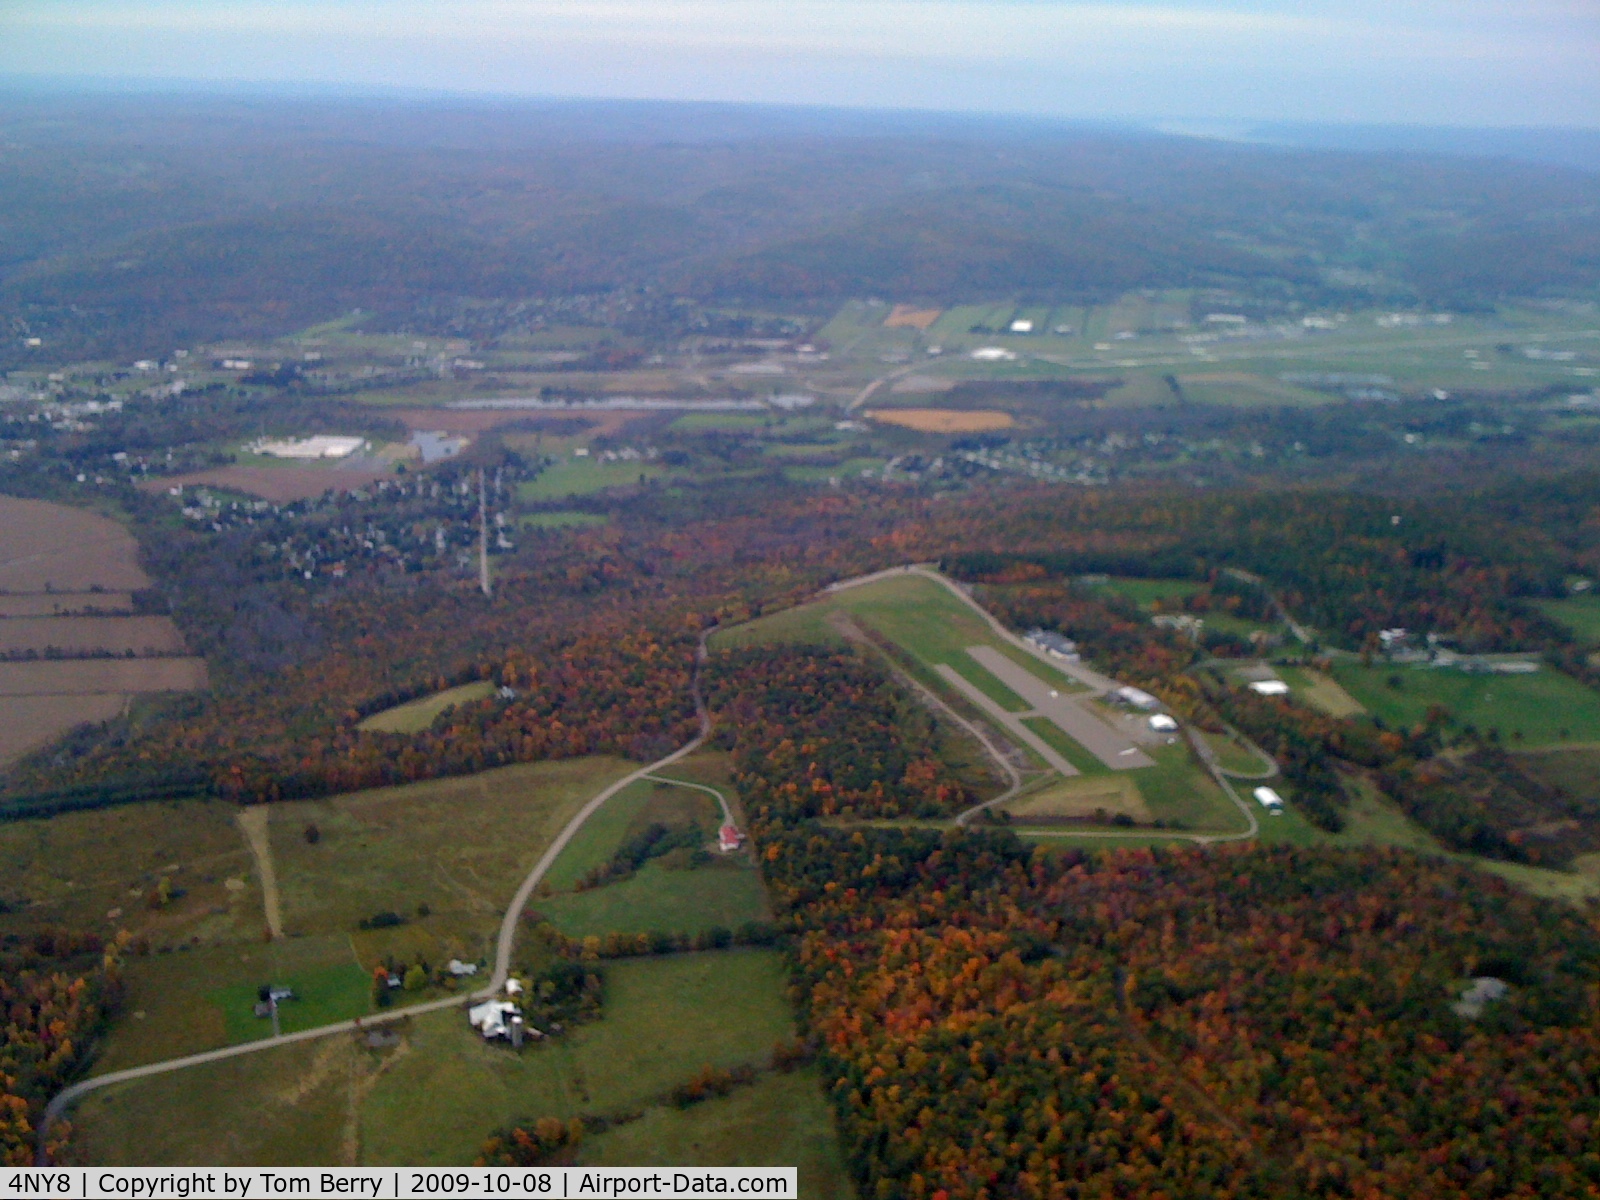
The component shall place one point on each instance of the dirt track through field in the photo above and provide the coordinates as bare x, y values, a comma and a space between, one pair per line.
253, 824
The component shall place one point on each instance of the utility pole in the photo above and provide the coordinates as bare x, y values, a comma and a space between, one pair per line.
483, 541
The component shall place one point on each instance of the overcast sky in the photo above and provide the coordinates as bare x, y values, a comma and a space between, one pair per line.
1455, 62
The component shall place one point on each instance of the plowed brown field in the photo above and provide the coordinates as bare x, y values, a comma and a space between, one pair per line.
64, 604
28, 722
45, 547
91, 676
51, 556
85, 635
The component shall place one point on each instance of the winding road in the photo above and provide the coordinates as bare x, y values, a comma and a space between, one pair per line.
504, 944
506, 939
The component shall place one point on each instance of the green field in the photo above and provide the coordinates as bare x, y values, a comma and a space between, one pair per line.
1371, 820
585, 476
1544, 707
94, 871
1319, 691
434, 1098
701, 421
323, 995
1177, 790
739, 1130
727, 892
562, 520
459, 846
849, 469
417, 715
935, 627
185, 1001
1235, 756
1580, 614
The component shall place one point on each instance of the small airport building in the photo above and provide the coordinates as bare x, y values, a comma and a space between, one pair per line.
1269, 800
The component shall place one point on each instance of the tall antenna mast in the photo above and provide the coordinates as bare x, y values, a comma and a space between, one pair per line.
483, 541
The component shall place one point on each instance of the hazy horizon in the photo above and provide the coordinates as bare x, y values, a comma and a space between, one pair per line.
1185, 62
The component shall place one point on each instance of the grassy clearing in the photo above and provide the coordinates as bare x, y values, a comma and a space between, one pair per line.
1145, 592
281, 1107
1233, 755
726, 892
1140, 389
1240, 390
1320, 691
459, 846
599, 837
1545, 707
182, 1002
417, 715
696, 421
781, 1121
1180, 792
1079, 798
850, 468
1575, 770
95, 870
562, 520
1371, 820
335, 992
585, 476
1580, 614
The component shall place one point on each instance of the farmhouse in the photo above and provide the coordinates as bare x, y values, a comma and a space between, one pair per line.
729, 838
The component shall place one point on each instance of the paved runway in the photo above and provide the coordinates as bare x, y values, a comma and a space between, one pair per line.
1076, 721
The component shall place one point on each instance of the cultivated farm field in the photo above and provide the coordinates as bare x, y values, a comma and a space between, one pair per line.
56, 560
53, 547
29, 722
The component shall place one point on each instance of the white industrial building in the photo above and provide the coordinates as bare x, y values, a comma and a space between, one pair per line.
319, 446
